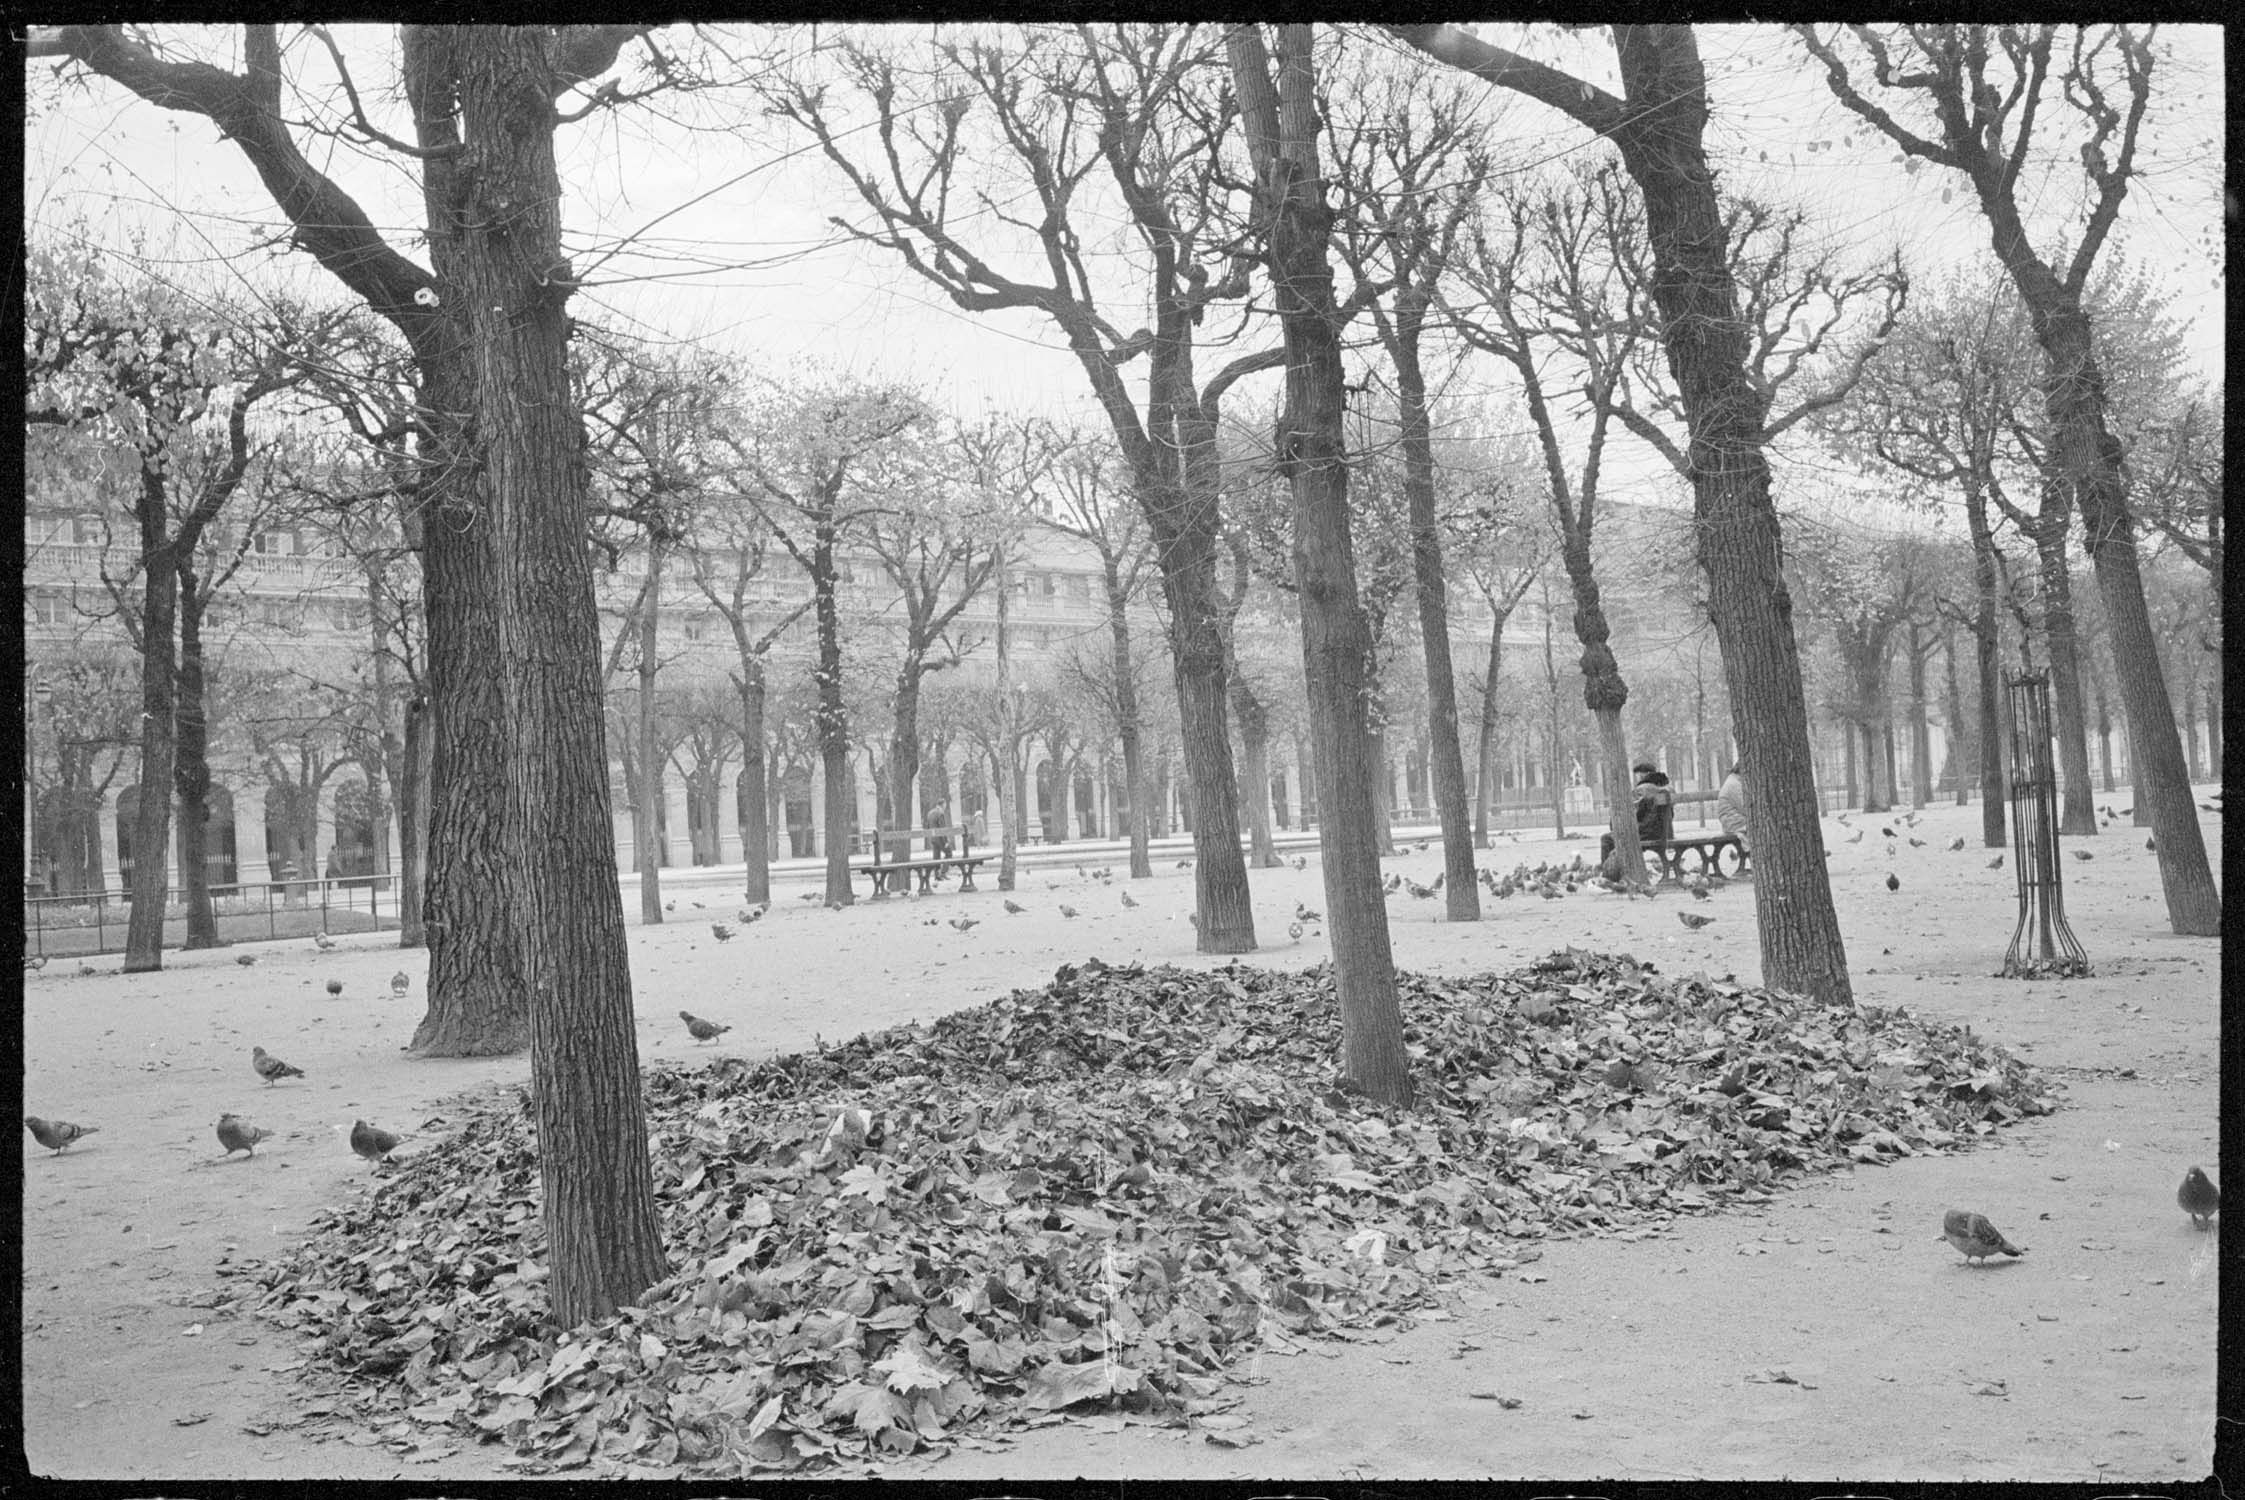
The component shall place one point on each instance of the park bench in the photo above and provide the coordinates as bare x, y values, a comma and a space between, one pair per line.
1712, 853
895, 869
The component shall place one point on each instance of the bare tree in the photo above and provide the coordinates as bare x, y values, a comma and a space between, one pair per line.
1280, 118
1138, 101
1658, 124
1983, 92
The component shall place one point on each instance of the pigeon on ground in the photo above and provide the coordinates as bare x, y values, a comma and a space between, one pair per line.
399, 983
1302, 913
808, 896
335, 986
2198, 1196
1294, 931
35, 960
704, 1031
2151, 845
1126, 899
87, 971
1855, 837
370, 1142
724, 933
1893, 882
56, 1134
1184, 864
1067, 911
1693, 919
1956, 843
750, 914
1917, 843
1996, 863
1422, 892
323, 941
1014, 908
1301, 861
1392, 884
2083, 854
271, 1068
1886, 833
963, 923
245, 959
1975, 1236
238, 1134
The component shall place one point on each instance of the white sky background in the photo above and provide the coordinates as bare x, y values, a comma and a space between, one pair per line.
734, 249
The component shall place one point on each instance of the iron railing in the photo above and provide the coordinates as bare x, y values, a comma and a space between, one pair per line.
89, 922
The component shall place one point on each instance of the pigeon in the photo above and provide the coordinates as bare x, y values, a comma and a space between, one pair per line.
2151, 845
963, 923
1917, 843
335, 986
323, 941
271, 1068
1294, 931
1014, 908
1886, 833
1392, 884
1067, 911
2083, 854
1975, 1236
2199, 1197
808, 896
1956, 843
1126, 899
1301, 861
39, 960
1693, 919
238, 1134
1302, 913
749, 914
1855, 837
245, 959
704, 1031
371, 1143
56, 1134
1422, 892
1893, 882
399, 983
87, 971
724, 933
1996, 863
1184, 864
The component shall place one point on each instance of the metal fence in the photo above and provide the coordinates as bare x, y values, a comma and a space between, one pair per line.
91, 922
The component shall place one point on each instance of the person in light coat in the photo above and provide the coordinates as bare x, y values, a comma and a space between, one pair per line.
1730, 808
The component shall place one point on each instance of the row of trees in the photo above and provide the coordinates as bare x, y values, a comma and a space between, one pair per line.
1203, 146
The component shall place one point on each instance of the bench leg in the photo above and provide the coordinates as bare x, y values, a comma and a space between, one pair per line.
966, 877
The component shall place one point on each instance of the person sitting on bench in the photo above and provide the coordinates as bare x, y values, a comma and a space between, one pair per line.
1654, 800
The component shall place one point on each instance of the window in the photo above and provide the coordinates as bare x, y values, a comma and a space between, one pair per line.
1079, 585
695, 628
87, 530
46, 607
274, 544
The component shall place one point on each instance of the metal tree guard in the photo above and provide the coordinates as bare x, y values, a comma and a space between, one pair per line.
2042, 945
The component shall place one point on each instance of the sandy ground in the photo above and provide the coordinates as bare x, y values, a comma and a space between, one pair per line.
2090, 1359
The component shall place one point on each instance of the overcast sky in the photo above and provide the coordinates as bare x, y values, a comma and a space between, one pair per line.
727, 212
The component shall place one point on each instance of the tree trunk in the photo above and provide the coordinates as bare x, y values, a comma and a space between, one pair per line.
1604, 692
1127, 724
1336, 642
1737, 529
1254, 771
191, 773
1959, 740
413, 825
904, 746
647, 789
1921, 734
1987, 640
144, 928
1487, 781
501, 248
832, 719
1446, 761
755, 789
2077, 813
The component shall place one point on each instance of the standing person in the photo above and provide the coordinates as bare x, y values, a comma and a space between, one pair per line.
939, 825
1730, 807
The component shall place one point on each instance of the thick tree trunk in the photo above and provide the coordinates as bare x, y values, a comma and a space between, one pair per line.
191, 773
1489, 781
144, 928
557, 867
1921, 734
831, 719
755, 790
1336, 641
1604, 692
1960, 742
904, 747
1737, 529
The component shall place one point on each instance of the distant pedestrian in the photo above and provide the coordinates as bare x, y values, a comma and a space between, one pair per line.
939, 831
978, 828
1730, 807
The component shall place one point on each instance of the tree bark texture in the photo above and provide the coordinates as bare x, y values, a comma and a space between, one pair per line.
191, 769
1336, 642
413, 825
498, 248
1604, 692
647, 786
1127, 724
1254, 769
755, 791
144, 928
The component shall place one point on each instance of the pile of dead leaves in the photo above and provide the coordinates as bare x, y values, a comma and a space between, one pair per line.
1103, 1191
